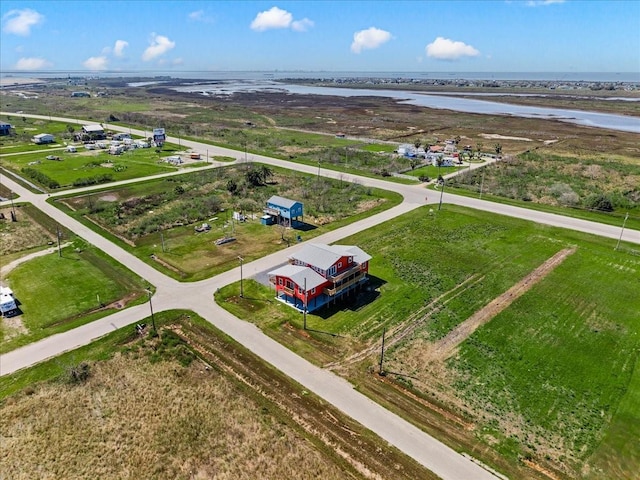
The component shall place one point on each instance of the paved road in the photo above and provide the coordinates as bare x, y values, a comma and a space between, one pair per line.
198, 297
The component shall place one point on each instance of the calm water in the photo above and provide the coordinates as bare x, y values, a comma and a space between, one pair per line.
628, 77
578, 117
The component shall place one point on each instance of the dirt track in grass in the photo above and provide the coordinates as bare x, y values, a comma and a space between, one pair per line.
446, 347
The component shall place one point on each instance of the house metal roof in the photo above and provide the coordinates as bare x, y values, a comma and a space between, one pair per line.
93, 128
324, 256
359, 255
297, 274
281, 201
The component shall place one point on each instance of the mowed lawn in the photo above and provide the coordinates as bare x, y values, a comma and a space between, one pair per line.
550, 378
60, 293
83, 164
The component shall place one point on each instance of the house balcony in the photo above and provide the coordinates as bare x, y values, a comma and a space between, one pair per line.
287, 290
344, 285
356, 269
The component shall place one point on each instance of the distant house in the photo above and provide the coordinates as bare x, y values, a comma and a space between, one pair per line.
5, 128
283, 211
71, 149
94, 132
318, 274
80, 94
42, 138
407, 150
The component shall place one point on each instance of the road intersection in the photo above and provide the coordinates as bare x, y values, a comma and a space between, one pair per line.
198, 297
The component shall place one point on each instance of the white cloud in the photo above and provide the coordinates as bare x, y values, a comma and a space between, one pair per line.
301, 25
19, 22
159, 45
32, 63
177, 61
118, 48
446, 49
197, 15
96, 63
541, 3
369, 39
272, 18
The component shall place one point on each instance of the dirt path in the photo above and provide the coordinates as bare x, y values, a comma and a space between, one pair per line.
445, 347
5, 269
404, 330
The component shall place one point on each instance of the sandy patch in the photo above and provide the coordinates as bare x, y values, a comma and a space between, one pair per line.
549, 142
13, 327
495, 136
109, 198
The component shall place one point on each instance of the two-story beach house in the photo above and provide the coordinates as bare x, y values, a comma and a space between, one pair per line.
319, 274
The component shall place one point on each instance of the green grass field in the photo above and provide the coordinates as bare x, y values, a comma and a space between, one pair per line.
60, 293
550, 378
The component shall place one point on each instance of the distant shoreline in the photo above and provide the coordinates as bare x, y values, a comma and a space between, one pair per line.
604, 77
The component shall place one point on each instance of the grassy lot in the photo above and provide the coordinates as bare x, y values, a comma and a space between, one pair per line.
60, 293
143, 405
431, 171
26, 235
543, 381
158, 217
86, 167
609, 184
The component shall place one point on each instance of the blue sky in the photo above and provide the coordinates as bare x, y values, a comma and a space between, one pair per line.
429, 36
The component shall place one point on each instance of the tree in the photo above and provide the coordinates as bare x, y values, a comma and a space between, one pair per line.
498, 148
414, 162
417, 144
439, 162
253, 177
479, 146
265, 173
232, 186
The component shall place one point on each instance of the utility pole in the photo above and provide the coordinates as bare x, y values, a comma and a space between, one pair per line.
241, 285
162, 240
318, 172
13, 208
482, 184
381, 370
306, 299
624, 222
58, 237
441, 193
153, 319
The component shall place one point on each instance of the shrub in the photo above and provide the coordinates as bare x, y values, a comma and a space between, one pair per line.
78, 373
599, 202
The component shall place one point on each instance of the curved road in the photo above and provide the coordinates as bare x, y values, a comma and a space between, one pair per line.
198, 297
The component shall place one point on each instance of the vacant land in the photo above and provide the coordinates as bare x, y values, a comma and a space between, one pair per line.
159, 218
58, 293
24, 235
544, 381
189, 405
600, 183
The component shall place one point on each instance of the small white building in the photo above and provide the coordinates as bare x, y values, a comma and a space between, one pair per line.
116, 149
43, 138
174, 160
7, 301
71, 149
94, 131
